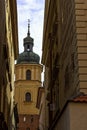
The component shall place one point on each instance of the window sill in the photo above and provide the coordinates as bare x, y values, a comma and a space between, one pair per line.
26, 102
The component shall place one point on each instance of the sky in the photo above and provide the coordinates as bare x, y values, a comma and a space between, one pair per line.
33, 10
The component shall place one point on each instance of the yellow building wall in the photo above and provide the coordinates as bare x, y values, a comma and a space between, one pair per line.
20, 71
23, 106
22, 86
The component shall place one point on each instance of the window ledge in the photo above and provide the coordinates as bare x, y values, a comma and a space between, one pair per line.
27, 102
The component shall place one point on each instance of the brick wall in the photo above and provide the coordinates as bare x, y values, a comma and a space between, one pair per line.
28, 121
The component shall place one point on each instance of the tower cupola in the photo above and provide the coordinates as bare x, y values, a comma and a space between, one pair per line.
28, 56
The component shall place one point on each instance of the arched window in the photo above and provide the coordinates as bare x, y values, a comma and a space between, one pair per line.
28, 75
27, 97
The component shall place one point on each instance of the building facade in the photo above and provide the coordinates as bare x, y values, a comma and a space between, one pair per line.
41, 106
65, 59
8, 55
27, 81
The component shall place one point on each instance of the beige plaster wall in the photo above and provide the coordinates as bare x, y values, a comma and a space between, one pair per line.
64, 121
22, 86
78, 116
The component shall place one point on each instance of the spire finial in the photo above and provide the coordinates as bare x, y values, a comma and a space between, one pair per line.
28, 27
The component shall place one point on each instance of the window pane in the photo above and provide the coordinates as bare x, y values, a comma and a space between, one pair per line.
28, 74
28, 97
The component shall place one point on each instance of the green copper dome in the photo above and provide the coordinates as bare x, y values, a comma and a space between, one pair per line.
28, 56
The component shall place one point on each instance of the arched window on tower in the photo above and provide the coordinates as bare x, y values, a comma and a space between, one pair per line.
28, 97
28, 75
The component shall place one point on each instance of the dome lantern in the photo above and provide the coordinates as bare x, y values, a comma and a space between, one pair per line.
28, 41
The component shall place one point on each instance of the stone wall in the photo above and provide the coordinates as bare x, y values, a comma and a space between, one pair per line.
81, 30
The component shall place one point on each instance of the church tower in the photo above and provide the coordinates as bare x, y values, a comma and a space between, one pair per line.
27, 81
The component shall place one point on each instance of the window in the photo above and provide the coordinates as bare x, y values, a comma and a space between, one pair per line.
28, 75
32, 118
28, 47
24, 119
27, 97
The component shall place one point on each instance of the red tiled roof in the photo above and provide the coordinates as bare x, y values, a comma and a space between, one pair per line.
81, 98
